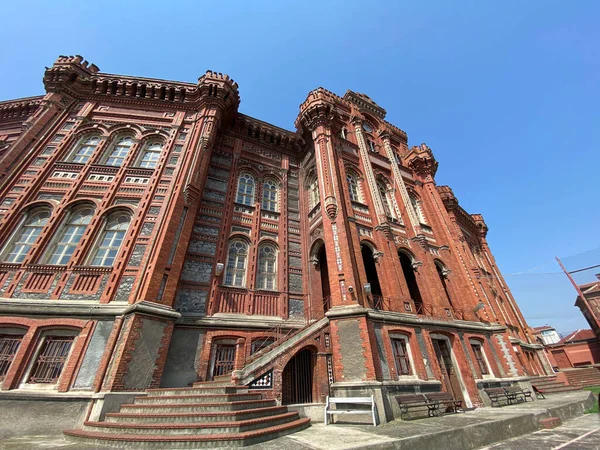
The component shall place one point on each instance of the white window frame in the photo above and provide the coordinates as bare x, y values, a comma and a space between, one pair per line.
416, 204
265, 277
119, 151
481, 345
67, 248
108, 258
406, 339
270, 200
245, 190
238, 274
90, 149
153, 150
382, 189
313, 193
19, 234
355, 194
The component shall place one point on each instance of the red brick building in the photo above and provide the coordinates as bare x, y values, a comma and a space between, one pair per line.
152, 236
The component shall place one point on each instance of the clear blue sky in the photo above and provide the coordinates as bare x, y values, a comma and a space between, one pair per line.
505, 93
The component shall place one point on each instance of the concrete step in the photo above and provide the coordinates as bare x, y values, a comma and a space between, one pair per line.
186, 399
224, 383
178, 417
230, 389
557, 390
187, 440
195, 407
191, 427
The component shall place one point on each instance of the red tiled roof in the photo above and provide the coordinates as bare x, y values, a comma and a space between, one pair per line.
579, 335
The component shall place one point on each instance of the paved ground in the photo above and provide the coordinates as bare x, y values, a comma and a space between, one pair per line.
453, 432
581, 433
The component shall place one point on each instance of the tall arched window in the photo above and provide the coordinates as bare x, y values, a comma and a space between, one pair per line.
118, 152
353, 188
270, 192
69, 236
245, 192
385, 200
267, 267
237, 257
26, 235
313, 192
150, 155
110, 239
442, 274
85, 149
416, 204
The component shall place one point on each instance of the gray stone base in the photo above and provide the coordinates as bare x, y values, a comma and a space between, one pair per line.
384, 393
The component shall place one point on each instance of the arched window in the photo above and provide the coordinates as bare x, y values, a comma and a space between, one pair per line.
267, 267
353, 187
408, 271
270, 192
385, 200
371, 145
237, 257
118, 152
150, 155
442, 274
26, 235
245, 192
313, 192
110, 239
344, 134
69, 236
85, 149
416, 204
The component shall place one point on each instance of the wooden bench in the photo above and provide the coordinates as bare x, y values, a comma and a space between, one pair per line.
498, 394
350, 401
519, 394
414, 402
438, 399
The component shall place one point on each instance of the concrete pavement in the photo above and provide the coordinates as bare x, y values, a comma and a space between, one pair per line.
497, 428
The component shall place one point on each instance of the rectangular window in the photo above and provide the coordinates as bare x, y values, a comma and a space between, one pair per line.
400, 350
478, 352
51, 359
8, 349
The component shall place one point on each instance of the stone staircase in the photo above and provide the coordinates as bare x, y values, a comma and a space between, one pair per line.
549, 385
583, 377
208, 414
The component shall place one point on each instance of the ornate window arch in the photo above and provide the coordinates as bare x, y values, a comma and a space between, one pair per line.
236, 265
416, 204
69, 235
354, 187
111, 237
26, 234
245, 190
313, 191
84, 149
385, 199
270, 197
117, 152
150, 155
267, 267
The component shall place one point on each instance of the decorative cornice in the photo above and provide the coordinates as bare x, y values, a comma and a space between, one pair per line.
19, 109
76, 77
364, 102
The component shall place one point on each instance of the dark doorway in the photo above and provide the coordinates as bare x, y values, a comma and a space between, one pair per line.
450, 378
224, 358
296, 379
411, 280
325, 289
440, 270
372, 278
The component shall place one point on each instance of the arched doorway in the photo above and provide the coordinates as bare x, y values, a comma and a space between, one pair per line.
297, 379
411, 280
325, 289
371, 272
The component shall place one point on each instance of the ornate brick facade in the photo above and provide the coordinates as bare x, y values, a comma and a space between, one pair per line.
175, 238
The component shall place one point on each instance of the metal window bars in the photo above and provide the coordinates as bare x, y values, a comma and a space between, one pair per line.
8, 348
51, 359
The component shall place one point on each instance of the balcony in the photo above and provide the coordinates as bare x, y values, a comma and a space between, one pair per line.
243, 301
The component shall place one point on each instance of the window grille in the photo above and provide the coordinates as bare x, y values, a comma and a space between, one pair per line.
8, 349
51, 359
